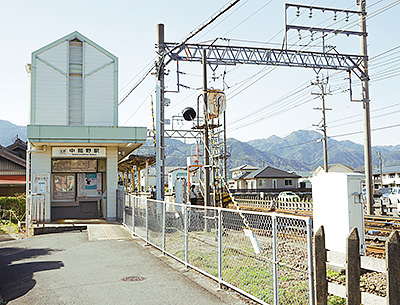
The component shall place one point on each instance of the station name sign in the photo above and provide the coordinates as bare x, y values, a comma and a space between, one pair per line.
79, 152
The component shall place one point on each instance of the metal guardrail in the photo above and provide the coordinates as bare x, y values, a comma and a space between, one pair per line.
268, 260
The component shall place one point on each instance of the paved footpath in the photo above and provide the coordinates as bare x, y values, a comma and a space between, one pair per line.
88, 267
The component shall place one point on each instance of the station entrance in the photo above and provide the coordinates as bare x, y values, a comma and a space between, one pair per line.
78, 188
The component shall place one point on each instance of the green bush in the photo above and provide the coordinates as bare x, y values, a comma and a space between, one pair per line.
16, 204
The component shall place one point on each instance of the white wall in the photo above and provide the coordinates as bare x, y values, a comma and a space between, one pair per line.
112, 182
99, 98
50, 96
50, 87
41, 164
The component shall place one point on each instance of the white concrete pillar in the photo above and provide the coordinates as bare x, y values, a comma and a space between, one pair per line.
112, 183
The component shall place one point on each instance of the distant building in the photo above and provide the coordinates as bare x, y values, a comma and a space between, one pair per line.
266, 179
174, 174
336, 168
390, 177
13, 168
238, 175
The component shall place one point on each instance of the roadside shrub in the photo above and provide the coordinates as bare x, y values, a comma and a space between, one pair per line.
16, 203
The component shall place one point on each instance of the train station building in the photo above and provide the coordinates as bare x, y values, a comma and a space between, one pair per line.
74, 142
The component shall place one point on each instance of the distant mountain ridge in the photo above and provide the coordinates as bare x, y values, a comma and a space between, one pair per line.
300, 151
8, 132
305, 146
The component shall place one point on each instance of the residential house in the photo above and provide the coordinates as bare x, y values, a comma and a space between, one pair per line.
238, 175
267, 179
336, 168
13, 168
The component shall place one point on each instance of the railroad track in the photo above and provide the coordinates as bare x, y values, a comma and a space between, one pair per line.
377, 228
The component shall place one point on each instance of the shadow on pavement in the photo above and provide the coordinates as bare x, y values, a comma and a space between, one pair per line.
16, 279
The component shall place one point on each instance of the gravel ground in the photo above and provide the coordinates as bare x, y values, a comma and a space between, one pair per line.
371, 282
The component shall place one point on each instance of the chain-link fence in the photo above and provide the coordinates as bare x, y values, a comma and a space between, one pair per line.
266, 256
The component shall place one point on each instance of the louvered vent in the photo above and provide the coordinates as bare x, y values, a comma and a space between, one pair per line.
75, 106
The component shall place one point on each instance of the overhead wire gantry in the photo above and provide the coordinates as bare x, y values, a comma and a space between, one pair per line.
234, 55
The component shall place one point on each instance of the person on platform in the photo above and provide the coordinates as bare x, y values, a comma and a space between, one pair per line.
193, 195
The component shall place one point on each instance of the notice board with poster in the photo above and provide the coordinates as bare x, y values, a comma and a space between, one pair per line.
63, 187
74, 165
89, 184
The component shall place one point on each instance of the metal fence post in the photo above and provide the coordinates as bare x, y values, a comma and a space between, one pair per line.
310, 260
147, 220
123, 207
186, 235
164, 211
133, 212
219, 246
275, 259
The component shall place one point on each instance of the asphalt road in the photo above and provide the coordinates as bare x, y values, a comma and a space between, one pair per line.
88, 267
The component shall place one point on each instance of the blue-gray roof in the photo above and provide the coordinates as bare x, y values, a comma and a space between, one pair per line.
271, 172
387, 170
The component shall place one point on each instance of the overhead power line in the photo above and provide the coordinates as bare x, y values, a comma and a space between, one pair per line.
186, 39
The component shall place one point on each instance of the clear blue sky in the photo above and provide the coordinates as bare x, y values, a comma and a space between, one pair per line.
128, 30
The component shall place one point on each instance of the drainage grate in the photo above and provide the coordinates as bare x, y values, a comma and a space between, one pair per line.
133, 279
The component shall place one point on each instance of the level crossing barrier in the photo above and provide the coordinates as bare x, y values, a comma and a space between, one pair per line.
264, 255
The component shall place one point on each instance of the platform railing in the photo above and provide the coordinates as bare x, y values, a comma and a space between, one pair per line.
265, 256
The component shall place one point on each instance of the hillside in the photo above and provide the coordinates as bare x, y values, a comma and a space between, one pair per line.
303, 146
8, 132
299, 151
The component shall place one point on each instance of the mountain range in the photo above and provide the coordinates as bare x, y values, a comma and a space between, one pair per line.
300, 151
8, 132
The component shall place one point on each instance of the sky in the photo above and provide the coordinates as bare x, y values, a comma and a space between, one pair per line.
261, 100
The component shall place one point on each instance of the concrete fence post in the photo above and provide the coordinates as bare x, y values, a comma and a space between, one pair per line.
393, 269
353, 268
321, 285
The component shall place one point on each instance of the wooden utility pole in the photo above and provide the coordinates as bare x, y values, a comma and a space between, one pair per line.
380, 167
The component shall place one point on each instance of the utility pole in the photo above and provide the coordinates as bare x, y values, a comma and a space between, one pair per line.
225, 152
160, 159
380, 167
321, 85
366, 111
206, 146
